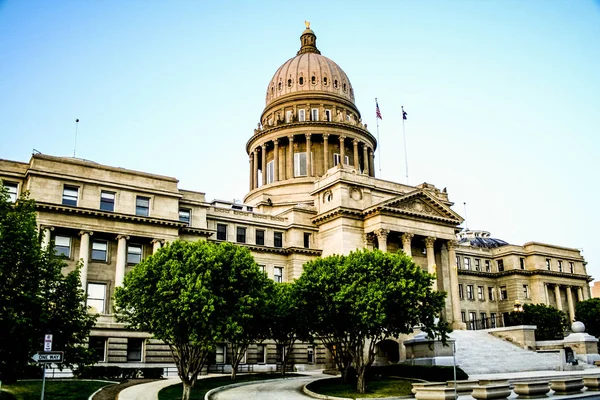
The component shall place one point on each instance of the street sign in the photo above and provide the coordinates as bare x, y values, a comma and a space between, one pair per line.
48, 357
47, 342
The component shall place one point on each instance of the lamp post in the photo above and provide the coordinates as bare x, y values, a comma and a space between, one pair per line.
518, 307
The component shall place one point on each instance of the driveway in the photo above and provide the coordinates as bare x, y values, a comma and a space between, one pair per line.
285, 389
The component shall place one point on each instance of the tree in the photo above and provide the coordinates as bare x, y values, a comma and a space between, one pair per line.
372, 295
550, 322
191, 295
35, 297
588, 312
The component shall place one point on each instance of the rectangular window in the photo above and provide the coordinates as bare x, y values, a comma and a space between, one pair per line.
142, 206
463, 316
278, 274
458, 262
470, 292
310, 354
96, 299
220, 356
221, 232
526, 291
260, 353
487, 266
299, 164
260, 237
99, 250
503, 293
301, 115
560, 266
337, 157
306, 240
571, 267
134, 254
12, 189
185, 215
263, 268
288, 116
270, 171
492, 320
328, 115
278, 239
483, 317
107, 201
500, 264
241, 234
70, 195
491, 293
477, 264
522, 263
97, 345
548, 264
461, 294
314, 116
472, 316
467, 261
134, 349
62, 246
480, 294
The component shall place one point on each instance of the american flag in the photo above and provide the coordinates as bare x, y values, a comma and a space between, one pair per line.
377, 112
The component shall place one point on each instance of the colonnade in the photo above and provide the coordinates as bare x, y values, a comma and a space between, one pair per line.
558, 297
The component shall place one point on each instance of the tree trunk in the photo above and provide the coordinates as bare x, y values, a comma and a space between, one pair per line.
345, 370
233, 371
361, 383
187, 389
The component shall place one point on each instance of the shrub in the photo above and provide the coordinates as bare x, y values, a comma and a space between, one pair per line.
551, 322
433, 373
102, 372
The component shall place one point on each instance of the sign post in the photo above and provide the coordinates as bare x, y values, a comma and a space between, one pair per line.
47, 347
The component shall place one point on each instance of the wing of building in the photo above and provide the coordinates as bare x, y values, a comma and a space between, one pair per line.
312, 192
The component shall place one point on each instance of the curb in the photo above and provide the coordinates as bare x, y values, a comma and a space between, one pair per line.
235, 385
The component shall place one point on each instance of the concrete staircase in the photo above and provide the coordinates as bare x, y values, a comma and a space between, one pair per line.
478, 352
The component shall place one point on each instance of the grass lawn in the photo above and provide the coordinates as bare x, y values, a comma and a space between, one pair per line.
63, 389
384, 387
205, 384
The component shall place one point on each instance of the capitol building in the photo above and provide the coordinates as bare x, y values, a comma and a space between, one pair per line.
312, 191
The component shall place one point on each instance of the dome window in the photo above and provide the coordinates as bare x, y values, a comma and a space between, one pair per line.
325, 80
301, 81
344, 87
272, 90
279, 86
289, 83
313, 80
335, 84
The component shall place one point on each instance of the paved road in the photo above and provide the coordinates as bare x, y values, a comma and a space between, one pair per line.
287, 389
146, 391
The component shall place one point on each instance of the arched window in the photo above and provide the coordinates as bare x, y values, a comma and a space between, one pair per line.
325, 80
301, 81
344, 87
279, 86
335, 84
313, 80
289, 83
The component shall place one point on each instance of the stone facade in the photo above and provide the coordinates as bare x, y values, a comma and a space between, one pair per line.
312, 192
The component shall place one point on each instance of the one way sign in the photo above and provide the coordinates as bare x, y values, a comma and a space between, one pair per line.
48, 357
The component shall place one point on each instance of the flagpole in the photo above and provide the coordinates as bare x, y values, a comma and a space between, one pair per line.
405, 153
378, 142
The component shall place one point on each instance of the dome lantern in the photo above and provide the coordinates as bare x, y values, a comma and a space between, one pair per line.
308, 41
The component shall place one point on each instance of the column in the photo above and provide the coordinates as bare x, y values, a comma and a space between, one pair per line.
156, 245
263, 155
46, 232
325, 153
368, 240
456, 319
84, 256
308, 156
579, 294
371, 163
255, 171
558, 298
546, 292
429, 241
342, 149
275, 160
382, 235
406, 243
570, 304
356, 165
290, 161
365, 159
121, 259
251, 158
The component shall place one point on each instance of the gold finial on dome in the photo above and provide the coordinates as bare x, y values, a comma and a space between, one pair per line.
307, 23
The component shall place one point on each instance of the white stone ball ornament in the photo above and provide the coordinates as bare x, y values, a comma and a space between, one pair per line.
577, 327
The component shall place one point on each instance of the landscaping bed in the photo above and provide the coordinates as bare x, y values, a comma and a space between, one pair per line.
56, 389
376, 388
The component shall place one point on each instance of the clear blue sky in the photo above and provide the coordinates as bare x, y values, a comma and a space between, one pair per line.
503, 97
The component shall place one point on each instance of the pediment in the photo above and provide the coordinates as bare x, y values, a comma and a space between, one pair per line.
419, 203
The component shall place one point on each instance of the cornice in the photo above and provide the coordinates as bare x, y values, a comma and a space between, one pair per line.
337, 213
523, 272
276, 250
304, 97
197, 231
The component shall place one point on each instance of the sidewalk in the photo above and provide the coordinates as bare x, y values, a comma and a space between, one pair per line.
146, 391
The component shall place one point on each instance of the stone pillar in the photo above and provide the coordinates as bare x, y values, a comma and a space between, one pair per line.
579, 294
290, 161
429, 241
342, 149
275, 160
46, 233
456, 319
356, 164
368, 240
371, 163
308, 158
251, 158
546, 292
84, 256
570, 305
255, 171
156, 245
406, 243
325, 153
121, 259
263, 168
382, 235
365, 159
558, 298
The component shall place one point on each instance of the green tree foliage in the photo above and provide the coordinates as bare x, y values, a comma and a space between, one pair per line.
588, 312
36, 298
360, 299
551, 322
192, 295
